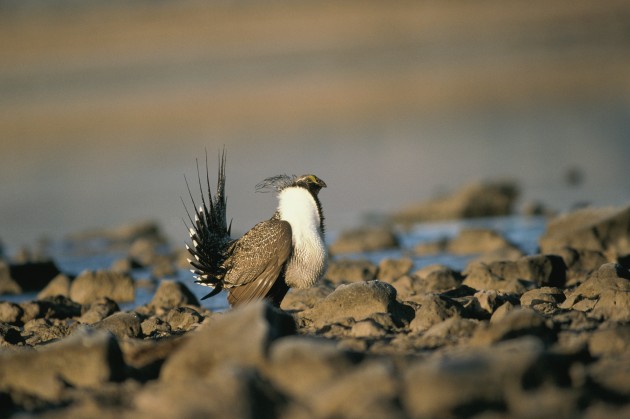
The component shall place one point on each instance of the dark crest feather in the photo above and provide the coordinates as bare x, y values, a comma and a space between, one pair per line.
275, 183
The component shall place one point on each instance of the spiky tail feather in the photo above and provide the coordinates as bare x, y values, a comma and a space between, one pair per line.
209, 231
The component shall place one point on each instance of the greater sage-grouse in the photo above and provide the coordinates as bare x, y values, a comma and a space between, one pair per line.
284, 251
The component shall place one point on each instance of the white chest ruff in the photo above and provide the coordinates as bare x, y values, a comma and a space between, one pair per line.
309, 260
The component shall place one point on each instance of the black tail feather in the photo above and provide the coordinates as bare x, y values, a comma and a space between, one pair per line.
208, 230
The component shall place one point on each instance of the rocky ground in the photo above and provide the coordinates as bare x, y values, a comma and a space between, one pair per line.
512, 335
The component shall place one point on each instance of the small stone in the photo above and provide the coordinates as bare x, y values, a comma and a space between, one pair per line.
391, 269
364, 240
59, 285
183, 318
122, 325
89, 286
173, 294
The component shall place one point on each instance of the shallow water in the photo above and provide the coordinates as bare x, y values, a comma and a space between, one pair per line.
522, 231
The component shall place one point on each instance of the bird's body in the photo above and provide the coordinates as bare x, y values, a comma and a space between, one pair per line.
284, 251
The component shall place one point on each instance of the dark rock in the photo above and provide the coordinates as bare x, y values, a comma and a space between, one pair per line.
391, 269
84, 360
98, 310
58, 307
605, 294
33, 276
10, 313
121, 324
357, 300
89, 286
343, 271
9, 335
597, 229
183, 318
516, 323
366, 239
59, 285
518, 276
173, 294
241, 336
474, 200
544, 300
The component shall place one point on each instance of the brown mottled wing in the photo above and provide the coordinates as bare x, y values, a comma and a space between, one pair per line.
257, 261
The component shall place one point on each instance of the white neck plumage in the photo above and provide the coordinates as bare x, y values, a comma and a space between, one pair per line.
299, 208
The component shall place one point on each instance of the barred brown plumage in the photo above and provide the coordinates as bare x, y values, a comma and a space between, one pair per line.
284, 251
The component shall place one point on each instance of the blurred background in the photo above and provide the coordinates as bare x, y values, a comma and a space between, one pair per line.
104, 105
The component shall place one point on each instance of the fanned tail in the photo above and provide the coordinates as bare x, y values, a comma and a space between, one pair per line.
209, 231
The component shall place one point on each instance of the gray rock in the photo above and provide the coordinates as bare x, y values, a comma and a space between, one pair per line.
305, 298
299, 366
8, 285
478, 240
544, 300
391, 269
173, 294
357, 300
370, 390
98, 310
183, 318
469, 382
516, 323
473, 200
227, 391
517, 276
365, 239
433, 310
367, 328
605, 294
580, 263
39, 331
241, 336
610, 342
596, 229
612, 374
89, 286
348, 270
434, 278
59, 285
84, 360
154, 326
122, 325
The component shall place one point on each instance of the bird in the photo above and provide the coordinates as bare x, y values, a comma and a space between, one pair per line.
285, 251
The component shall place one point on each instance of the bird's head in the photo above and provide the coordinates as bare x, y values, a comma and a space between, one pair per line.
310, 182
